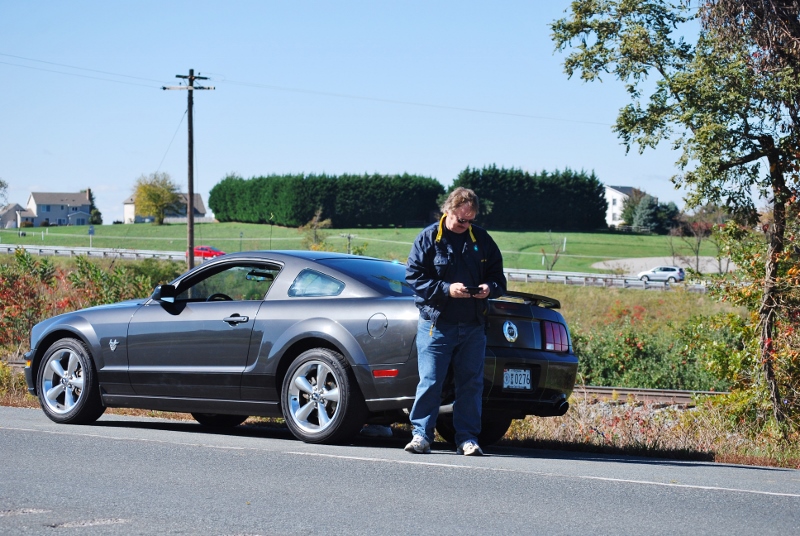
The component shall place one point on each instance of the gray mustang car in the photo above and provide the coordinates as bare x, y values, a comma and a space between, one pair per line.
324, 340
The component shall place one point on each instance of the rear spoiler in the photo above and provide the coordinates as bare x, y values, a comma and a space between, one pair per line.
533, 299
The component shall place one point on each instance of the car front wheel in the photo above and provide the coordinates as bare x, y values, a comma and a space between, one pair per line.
321, 401
68, 389
494, 426
645, 278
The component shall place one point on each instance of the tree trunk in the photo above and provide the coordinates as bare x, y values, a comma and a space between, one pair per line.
770, 299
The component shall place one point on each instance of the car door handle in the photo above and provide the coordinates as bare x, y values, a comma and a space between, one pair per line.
236, 319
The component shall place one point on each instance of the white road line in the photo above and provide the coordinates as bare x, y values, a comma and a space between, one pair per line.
419, 462
556, 475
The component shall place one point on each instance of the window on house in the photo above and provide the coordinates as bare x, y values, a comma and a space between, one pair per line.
45, 208
614, 202
614, 216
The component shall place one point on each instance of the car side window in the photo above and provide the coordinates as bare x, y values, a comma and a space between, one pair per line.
239, 282
310, 283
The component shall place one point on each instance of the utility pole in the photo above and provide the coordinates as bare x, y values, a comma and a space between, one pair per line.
190, 200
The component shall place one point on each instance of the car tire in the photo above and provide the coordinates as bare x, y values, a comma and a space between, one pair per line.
320, 399
671, 280
494, 426
67, 387
645, 278
219, 420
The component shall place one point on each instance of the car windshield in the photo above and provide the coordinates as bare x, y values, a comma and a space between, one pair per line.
385, 277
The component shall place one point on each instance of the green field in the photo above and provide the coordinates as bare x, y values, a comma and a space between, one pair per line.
520, 249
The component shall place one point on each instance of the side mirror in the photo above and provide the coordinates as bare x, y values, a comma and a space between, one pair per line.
164, 293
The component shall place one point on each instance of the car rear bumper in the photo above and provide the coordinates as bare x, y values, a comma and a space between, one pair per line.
552, 379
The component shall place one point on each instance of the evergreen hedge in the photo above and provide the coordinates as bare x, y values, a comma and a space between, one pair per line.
348, 200
516, 200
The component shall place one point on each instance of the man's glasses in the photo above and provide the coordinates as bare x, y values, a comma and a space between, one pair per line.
462, 221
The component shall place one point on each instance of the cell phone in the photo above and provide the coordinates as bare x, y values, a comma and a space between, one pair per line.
473, 290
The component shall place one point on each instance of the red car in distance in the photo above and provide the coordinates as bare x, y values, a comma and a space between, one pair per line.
207, 252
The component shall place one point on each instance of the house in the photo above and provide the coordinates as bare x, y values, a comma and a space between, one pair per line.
8, 215
56, 209
615, 198
178, 216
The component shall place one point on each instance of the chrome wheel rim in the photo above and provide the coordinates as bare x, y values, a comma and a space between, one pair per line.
313, 397
62, 381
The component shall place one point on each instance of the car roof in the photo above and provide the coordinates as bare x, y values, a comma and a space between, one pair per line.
301, 254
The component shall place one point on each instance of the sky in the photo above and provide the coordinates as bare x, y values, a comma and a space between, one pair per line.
418, 87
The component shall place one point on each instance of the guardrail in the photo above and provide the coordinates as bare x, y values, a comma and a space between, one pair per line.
65, 251
596, 280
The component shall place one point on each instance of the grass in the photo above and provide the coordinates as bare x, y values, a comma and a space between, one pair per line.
590, 308
521, 250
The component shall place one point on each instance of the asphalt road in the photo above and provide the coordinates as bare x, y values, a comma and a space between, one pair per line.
148, 476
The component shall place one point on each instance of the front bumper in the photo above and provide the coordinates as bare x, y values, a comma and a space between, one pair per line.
28, 370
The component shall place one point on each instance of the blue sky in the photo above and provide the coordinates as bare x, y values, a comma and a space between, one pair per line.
426, 88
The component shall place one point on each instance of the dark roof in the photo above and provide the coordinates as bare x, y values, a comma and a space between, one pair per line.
55, 198
627, 190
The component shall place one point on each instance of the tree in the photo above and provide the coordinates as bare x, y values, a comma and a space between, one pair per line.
3, 191
730, 102
630, 204
646, 213
95, 216
154, 195
313, 236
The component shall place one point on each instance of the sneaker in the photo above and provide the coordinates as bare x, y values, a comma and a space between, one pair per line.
376, 430
419, 445
469, 448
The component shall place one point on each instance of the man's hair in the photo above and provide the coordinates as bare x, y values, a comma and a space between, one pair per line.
460, 196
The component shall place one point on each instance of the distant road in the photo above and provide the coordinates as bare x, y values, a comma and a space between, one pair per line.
149, 476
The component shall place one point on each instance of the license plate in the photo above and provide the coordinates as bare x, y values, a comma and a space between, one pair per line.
516, 378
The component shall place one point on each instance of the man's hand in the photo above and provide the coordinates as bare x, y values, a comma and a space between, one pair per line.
459, 290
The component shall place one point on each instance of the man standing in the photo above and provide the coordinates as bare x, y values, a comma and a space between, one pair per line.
454, 267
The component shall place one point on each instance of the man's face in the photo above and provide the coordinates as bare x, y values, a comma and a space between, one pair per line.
460, 219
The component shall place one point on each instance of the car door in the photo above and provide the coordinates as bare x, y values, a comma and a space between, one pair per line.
197, 347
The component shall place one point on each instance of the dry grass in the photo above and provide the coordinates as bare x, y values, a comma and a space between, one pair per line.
632, 427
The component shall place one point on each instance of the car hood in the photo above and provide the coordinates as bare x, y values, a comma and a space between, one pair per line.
75, 318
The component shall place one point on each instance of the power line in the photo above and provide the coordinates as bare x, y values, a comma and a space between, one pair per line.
412, 103
78, 68
308, 92
75, 74
170, 141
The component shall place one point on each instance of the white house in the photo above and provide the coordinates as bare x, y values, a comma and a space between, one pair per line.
56, 209
615, 197
8, 215
129, 210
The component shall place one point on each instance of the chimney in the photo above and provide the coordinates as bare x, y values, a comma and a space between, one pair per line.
89, 194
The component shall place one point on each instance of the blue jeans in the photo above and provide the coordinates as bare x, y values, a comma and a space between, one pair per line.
465, 346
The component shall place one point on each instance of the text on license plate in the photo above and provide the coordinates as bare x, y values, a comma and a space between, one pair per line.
516, 378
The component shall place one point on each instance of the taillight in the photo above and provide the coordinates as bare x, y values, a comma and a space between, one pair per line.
554, 337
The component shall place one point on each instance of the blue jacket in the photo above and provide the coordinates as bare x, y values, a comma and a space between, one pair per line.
433, 262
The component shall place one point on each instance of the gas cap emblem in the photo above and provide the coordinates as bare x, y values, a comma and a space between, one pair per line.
114, 342
510, 331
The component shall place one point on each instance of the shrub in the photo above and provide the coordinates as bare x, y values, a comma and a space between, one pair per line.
621, 355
